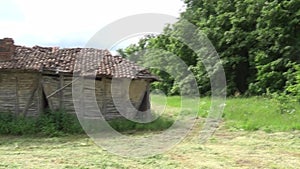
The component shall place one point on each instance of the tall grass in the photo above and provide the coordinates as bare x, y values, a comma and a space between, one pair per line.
124, 125
253, 113
173, 104
48, 124
60, 123
261, 113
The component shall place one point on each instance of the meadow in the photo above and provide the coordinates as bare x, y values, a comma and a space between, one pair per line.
254, 133
246, 113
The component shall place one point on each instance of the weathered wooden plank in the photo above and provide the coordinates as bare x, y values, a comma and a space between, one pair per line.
28, 82
31, 98
50, 85
61, 94
15, 90
17, 110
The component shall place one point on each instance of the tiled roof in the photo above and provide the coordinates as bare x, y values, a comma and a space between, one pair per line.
74, 60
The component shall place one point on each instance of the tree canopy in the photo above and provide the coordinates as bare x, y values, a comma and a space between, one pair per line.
258, 42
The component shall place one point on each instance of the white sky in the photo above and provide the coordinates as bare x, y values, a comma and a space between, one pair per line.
70, 23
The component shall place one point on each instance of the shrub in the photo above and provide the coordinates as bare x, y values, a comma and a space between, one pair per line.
60, 123
48, 124
10, 124
159, 124
293, 87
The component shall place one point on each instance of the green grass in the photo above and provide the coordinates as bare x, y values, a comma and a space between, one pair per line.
173, 104
225, 150
258, 113
48, 124
60, 123
253, 113
124, 125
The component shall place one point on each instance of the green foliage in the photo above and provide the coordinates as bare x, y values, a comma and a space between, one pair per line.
60, 123
124, 125
284, 103
10, 124
268, 113
49, 124
257, 40
293, 86
289, 99
278, 49
262, 113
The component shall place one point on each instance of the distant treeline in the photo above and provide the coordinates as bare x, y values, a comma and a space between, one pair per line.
258, 42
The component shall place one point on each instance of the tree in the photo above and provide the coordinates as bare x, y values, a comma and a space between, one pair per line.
278, 34
257, 40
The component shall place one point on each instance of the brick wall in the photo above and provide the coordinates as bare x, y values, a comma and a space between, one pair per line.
7, 49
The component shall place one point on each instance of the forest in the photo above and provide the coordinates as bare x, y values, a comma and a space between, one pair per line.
257, 42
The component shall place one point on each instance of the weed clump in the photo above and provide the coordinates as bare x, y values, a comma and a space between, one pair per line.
60, 123
49, 124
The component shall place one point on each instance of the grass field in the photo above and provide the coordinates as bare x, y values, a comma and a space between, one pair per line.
226, 149
253, 134
253, 113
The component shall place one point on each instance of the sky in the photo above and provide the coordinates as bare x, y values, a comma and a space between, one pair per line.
71, 23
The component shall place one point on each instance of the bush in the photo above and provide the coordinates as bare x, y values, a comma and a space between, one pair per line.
48, 124
283, 102
293, 88
159, 124
10, 124
60, 123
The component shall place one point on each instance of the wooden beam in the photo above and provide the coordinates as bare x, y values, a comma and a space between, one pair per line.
41, 101
29, 101
104, 106
58, 90
61, 94
17, 106
144, 103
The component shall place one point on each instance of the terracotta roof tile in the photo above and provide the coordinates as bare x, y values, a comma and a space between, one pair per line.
74, 60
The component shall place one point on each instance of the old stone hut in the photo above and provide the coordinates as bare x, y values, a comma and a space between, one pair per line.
35, 79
